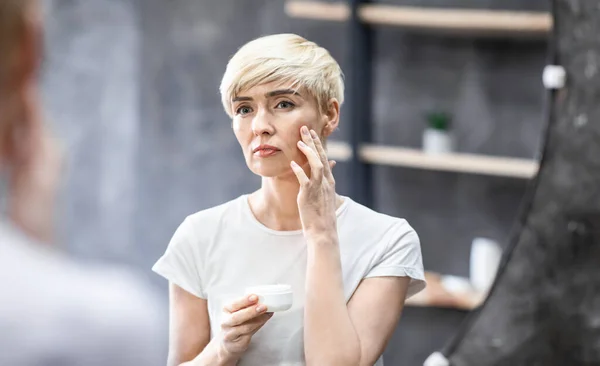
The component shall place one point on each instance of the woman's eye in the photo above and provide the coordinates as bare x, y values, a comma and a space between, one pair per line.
243, 110
284, 104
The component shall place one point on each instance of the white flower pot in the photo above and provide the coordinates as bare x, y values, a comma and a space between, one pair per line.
437, 141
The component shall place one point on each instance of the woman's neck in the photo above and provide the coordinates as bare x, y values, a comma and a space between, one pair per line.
275, 205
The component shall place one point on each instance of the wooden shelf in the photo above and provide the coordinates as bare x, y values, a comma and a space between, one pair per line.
454, 162
461, 307
495, 21
339, 150
335, 12
438, 295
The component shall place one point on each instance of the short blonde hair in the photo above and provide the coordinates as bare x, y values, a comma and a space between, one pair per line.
284, 58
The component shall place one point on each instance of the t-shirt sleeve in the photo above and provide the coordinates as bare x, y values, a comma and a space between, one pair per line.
401, 257
181, 264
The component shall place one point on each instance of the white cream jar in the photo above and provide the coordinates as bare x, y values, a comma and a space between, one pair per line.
275, 297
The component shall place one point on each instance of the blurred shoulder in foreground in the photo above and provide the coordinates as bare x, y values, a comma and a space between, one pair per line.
54, 311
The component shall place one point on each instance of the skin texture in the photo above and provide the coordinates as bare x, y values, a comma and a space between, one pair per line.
297, 192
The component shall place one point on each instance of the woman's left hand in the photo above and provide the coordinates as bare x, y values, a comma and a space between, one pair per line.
317, 200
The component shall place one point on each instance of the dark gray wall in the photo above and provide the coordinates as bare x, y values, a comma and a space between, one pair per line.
91, 83
132, 88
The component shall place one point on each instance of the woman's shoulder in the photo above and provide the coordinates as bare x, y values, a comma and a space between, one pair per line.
217, 213
206, 223
360, 215
198, 229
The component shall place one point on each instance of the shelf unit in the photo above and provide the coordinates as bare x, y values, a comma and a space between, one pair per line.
455, 162
493, 21
360, 16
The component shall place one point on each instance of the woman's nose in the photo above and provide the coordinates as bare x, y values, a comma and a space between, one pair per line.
262, 124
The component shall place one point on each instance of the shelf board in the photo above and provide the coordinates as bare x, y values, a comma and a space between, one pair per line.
453, 162
317, 10
441, 306
470, 20
339, 150
458, 293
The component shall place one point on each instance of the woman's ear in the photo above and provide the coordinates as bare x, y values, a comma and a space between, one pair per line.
331, 117
18, 102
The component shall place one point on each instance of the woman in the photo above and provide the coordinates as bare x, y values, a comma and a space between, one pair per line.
350, 268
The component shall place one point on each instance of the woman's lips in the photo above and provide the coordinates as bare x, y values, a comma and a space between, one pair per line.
266, 152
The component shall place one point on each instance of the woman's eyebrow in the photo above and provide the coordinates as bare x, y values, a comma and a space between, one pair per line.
277, 92
270, 94
241, 99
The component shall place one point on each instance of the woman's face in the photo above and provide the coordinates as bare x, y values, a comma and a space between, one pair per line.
267, 121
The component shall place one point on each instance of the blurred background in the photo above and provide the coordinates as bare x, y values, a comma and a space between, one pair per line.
131, 87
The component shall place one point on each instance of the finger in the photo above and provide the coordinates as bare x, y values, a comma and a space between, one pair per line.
321, 152
300, 174
307, 138
327, 173
307, 146
316, 167
262, 320
252, 326
248, 328
244, 315
241, 303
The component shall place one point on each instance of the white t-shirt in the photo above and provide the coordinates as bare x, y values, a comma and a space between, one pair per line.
56, 312
216, 253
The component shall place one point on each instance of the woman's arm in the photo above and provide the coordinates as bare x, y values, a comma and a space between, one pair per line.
353, 334
375, 310
189, 325
329, 335
189, 331
337, 333
330, 338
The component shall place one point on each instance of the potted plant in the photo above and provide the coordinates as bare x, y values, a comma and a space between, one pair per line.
437, 137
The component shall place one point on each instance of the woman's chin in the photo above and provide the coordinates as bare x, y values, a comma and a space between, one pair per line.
272, 170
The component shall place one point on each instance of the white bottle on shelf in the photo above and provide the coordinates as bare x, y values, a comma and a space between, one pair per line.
485, 260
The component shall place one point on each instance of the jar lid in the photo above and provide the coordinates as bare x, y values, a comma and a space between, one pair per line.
269, 289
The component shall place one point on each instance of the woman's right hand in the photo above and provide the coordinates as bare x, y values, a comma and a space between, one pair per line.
244, 317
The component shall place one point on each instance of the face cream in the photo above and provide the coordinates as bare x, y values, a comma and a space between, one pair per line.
275, 297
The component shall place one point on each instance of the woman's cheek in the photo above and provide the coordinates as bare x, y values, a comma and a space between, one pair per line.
235, 124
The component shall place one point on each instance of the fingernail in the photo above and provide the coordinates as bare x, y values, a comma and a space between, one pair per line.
295, 164
260, 308
304, 130
313, 134
252, 298
302, 143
